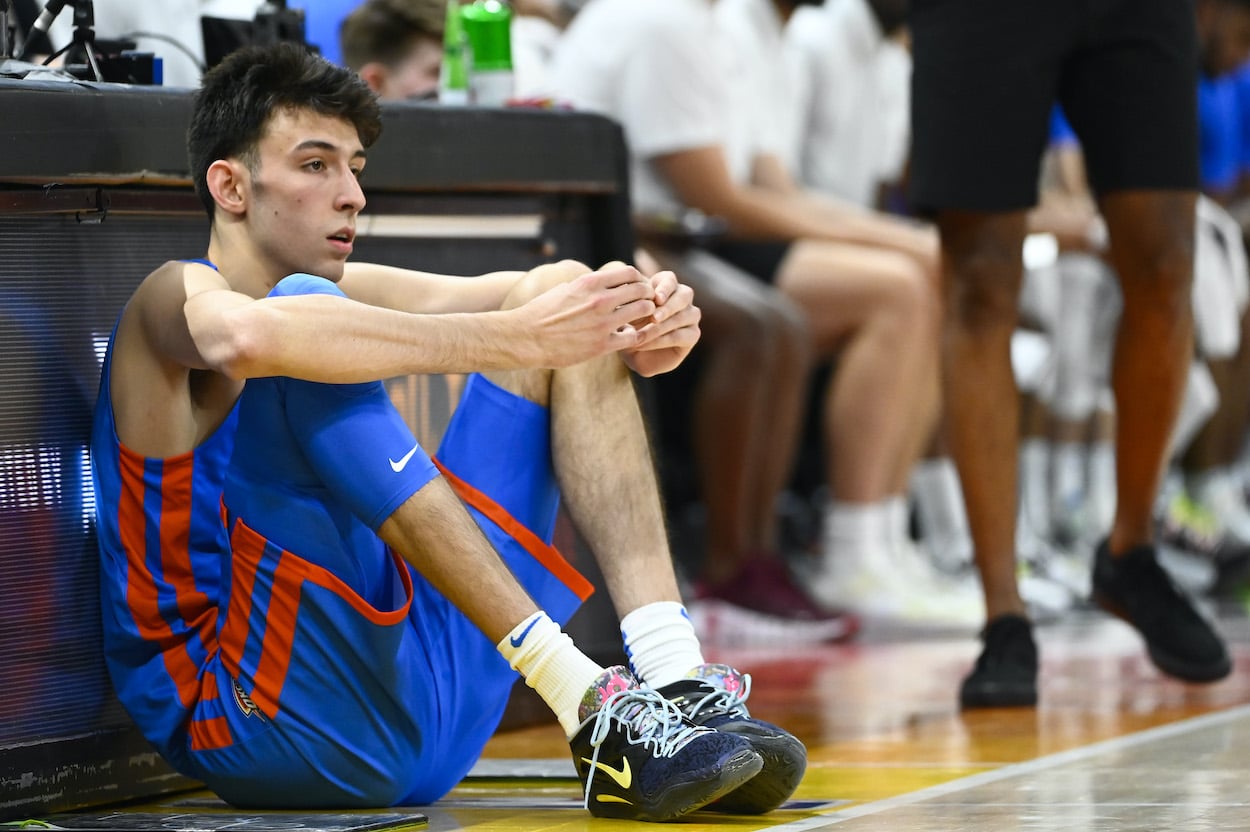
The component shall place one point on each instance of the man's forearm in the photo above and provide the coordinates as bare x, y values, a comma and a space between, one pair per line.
336, 340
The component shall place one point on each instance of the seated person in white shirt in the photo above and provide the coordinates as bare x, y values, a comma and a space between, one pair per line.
693, 100
732, 416
854, 94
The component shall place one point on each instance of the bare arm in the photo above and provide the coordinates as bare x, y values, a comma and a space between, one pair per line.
414, 291
334, 339
778, 210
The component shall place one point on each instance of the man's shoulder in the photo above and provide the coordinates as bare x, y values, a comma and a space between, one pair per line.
158, 299
175, 279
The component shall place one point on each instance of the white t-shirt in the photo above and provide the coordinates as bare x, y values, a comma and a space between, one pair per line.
766, 72
855, 92
534, 42
663, 70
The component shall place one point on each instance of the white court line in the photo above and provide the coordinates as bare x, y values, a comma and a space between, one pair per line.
1015, 770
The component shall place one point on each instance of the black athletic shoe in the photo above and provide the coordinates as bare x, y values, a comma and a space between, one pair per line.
1179, 640
715, 696
642, 760
1005, 674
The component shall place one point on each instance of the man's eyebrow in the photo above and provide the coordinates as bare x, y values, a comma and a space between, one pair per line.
322, 144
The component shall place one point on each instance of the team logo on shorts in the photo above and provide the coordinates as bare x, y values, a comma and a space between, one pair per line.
245, 703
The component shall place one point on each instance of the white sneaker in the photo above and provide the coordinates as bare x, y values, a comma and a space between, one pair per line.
897, 585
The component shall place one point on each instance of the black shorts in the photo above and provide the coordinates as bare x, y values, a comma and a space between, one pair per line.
759, 258
987, 73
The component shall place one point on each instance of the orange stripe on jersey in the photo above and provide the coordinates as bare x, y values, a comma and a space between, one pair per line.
208, 686
207, 734
275, 654
193, 605
543, 553
322, 577
280, 619
246, 552
141, 591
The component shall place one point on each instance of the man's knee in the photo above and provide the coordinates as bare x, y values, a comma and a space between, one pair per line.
542, 278
983, 290
1161, 282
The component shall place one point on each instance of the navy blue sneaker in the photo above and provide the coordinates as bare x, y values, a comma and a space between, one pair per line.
642, 760
715, 697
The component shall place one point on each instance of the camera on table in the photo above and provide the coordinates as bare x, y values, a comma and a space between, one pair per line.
119, 63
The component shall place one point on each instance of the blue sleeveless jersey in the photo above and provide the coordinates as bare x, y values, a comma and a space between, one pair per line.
263, 637
162, 545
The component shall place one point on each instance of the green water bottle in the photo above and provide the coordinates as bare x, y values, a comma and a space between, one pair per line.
453, 76
488, 29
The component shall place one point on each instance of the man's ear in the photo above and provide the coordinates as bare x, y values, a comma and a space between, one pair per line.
374, 74
227, 183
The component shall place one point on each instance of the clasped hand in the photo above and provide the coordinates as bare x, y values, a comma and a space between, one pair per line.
650, 322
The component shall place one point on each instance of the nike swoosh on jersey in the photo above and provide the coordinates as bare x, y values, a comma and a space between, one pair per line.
516, 640
402, 462
623, 778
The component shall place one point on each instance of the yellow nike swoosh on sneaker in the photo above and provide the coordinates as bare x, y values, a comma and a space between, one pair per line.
623, 778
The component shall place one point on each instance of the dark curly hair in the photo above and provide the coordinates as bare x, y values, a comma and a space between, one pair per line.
241, 94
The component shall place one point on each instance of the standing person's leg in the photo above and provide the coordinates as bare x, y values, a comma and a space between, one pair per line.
983, 88
982, 274
1142, 156
1152, 249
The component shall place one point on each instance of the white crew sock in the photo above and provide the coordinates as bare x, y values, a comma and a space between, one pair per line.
854, 531
941, 513
661, 643
1035, 485
1067, 496
552, 665
1101, 487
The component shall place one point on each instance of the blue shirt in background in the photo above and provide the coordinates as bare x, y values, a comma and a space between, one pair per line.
321, 24
1220, 133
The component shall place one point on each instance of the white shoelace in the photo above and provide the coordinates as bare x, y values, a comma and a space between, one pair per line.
650, 720
732, 702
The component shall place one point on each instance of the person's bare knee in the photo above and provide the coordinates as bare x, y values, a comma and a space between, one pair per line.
984, 269
542, 278
1152, 247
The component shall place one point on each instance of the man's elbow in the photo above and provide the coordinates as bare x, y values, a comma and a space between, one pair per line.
241, 352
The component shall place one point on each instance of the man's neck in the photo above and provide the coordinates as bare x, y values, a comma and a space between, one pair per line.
240, 263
